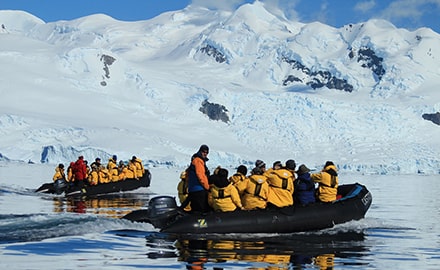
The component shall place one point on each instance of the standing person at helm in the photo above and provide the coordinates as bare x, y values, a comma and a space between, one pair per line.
198, 186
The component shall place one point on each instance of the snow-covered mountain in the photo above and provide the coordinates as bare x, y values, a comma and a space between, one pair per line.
250, 84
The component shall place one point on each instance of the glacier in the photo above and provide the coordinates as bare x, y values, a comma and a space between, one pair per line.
96, 86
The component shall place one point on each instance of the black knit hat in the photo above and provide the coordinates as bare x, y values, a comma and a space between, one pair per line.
277, 163
328, 163
204, 148
290, 164
242, 169
260, 164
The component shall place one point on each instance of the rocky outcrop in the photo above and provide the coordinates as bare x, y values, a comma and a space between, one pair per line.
215, 111
107, 60
213, 52
315, 79
367, 58
433, 117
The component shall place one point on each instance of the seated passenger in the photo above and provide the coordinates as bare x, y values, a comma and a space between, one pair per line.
139, 166
121, 170
112, 162
103, 175
130, 171
59, 173
328, 182
304, 187
94, 175
257, 189
70, 175
112, 169
239, 179
223, 196
280, 182
182, 189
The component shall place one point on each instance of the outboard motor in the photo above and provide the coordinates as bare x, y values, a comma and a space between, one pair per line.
162, 211
60, 186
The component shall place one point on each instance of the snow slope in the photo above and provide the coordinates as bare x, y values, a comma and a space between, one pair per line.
97, 86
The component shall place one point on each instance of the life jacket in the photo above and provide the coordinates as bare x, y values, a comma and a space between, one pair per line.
328, 183
224, 199
256, 192
256, 185
139, 167
59, 174
281, 188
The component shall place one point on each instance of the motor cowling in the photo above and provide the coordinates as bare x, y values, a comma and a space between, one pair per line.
60, 186
162, 210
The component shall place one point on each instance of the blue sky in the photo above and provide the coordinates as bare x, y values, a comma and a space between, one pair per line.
410, 14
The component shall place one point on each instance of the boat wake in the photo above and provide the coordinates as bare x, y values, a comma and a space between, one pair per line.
36, 227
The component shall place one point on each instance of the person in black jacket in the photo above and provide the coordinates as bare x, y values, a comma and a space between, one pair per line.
304, 187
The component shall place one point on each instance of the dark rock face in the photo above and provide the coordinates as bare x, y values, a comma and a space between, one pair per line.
107, 60
316, 79
216, 54
433, 117
368, 59
214, 111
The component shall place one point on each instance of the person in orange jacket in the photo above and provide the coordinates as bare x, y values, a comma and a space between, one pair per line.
198, 184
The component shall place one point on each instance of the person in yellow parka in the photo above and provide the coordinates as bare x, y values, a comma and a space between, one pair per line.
122, 169
239, 179
112, 162
140, 170
327, 181
59, 173
70, 175
93, 176
257, 189
130, 170
103, 175
113, 169
280, 182
182, 189
223, 196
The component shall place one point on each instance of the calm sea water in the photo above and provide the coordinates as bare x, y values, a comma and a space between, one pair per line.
400, 231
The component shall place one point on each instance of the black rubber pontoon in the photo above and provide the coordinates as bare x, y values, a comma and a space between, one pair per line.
164, 214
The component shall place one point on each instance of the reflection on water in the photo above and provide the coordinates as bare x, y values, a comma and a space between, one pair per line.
114, 205
293, 251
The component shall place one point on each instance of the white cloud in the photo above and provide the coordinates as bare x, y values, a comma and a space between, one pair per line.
285, 7
412, 10
365, 6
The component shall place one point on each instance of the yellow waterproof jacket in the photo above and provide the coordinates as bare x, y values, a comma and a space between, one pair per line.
70, 175
328, 183
113, 173
59, 174
93, 178
182, 190
103, 176
256, 192
224, 199
130, 170
280, 187
111, 164
239, 181
139, 167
